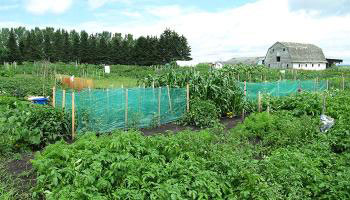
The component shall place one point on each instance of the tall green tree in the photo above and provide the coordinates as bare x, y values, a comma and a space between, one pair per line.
13, 50
75, 46
84, 47
67, 47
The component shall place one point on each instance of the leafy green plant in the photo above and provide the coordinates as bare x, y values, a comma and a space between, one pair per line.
28, 126
203, 114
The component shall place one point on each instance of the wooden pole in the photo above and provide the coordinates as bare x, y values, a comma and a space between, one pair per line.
238, 77
63, 98
259, 101
169, 99
188, 97
324, 104
126, 109
245, 94
327, 84
54, 97
343, 82
159, 95
73, 115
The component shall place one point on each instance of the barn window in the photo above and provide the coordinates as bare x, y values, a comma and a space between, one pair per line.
284, 49
299, 65
306, 65
273, 50
312, 65
287, 65
278, 58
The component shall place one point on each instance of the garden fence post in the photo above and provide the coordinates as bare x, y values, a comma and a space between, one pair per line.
169, 98
238, 77
259, 101
73, 115
159, 95
327, 84
188, 97
324, 104
343, 81
54, 97
126, 109
245, 94
63, 98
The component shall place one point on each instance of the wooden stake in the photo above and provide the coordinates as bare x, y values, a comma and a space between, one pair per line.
63, 98
169, 99
54, 97
259, 101
159, 95
126, 109
343, 82
327, 84
324, 104
188, 96
73, 115
245, 94
245, 88
238, 77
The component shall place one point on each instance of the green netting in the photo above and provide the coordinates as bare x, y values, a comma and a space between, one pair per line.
281, 88
104, 110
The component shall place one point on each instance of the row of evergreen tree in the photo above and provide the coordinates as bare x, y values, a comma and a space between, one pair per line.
19, 44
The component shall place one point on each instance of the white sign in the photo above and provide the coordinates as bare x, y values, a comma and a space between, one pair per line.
107, 69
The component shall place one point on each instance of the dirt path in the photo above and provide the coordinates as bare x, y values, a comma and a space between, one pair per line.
173, 127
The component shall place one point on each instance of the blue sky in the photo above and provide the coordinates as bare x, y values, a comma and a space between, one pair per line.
216, 29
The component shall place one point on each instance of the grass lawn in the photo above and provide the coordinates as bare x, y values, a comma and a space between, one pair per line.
115, 82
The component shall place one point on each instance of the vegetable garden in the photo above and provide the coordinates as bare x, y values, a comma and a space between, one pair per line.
277, 153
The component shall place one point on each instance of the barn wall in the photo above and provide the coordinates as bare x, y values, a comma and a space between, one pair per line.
277, 50
308, 66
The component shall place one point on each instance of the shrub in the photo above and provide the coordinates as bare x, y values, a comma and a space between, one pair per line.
28, 126
272, 131
203, 114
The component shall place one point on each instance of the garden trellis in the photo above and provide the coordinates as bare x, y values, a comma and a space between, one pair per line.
104, 110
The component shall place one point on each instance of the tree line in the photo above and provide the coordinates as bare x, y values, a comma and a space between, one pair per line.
20, 44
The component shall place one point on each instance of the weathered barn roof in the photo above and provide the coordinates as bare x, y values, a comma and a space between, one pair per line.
244, 60
304, 52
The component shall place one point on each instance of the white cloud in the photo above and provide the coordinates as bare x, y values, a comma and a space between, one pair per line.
93, 4
131, 14
8, 7
43, 6
322, 7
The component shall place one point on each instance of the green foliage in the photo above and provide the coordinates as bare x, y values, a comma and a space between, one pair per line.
102, 48
28, 126
281, 129
203, 114
300, 104
24, 86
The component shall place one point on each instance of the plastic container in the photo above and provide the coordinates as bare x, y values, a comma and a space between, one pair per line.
40, 100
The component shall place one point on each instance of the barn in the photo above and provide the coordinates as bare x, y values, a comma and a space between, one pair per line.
295, 56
